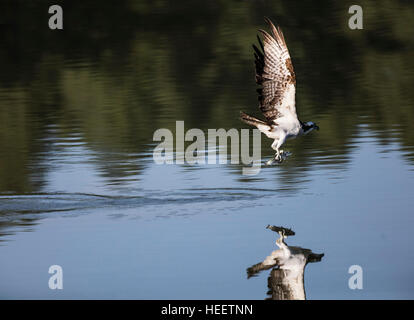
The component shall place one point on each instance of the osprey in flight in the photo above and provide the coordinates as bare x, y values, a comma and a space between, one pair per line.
274, 72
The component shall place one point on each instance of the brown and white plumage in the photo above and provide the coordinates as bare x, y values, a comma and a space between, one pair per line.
274, 71
275, 74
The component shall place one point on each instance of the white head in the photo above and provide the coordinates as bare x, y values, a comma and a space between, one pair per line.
308, 127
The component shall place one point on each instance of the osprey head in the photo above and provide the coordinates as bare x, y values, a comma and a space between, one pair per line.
308, 126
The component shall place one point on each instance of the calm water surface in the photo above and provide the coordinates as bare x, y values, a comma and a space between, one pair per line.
79, 187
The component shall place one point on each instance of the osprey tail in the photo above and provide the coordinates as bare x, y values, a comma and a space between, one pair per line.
251, 120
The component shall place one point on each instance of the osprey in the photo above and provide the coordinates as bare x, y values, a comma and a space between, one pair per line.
274, 72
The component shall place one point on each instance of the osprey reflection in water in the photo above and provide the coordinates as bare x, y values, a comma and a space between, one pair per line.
286, 279
274, 72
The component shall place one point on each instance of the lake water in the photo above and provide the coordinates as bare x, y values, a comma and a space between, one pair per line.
79, 187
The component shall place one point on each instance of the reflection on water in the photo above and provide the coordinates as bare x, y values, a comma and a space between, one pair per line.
78, 109
286, 280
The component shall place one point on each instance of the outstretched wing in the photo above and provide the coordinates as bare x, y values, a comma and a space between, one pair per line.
274, 72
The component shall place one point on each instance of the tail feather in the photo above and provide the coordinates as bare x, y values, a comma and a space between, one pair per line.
251, 120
